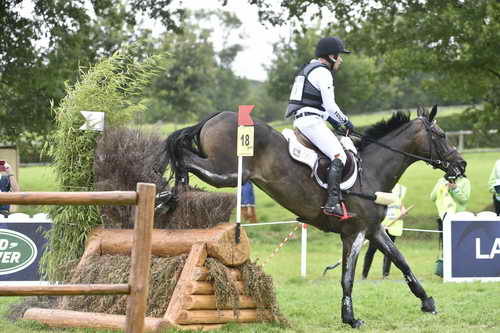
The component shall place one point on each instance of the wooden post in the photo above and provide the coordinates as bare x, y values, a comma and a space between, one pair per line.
141, 258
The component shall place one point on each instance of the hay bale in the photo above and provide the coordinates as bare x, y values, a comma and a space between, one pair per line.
116, 269
197, 209
164, 275
125, 157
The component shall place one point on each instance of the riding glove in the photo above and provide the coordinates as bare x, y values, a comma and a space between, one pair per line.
335, 124
348, 125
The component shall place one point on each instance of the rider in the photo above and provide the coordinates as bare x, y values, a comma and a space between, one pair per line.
312, 102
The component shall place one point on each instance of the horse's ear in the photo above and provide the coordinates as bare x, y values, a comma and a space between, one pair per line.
433, 112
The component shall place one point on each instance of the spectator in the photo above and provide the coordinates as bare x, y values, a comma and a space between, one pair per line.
450, 196
494, 186
8, 183
394, 229
248, 203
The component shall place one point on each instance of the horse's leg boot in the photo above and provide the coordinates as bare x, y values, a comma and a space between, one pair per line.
333, 203
386, 267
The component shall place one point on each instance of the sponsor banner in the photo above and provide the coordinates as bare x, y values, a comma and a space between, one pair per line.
21, 247
471, 249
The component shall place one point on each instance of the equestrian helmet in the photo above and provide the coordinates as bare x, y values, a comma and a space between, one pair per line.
330, 45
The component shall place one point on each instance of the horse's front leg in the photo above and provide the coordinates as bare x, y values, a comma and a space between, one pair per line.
384, 244
351, 247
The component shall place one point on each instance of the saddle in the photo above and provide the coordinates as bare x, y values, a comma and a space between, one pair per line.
304, 151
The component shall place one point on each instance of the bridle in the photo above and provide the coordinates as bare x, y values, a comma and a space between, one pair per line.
440, 163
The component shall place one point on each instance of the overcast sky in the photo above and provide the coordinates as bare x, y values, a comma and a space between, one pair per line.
258, 41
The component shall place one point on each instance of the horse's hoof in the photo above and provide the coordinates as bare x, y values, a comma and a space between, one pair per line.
429, 306
355, 323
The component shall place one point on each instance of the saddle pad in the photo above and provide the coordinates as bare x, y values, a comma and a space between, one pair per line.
312, 159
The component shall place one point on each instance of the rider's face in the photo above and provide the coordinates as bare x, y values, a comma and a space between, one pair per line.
337, 59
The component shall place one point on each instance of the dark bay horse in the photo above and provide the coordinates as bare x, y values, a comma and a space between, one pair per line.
208, 150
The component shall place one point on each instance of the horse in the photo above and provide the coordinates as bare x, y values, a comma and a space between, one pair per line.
388, 148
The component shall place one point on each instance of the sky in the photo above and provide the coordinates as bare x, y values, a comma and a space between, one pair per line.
258, 39
258, 42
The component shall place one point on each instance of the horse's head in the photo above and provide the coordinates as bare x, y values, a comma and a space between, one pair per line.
435, 146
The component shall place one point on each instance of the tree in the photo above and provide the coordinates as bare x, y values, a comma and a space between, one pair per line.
39, 52
200, 81
455, 40
358, 86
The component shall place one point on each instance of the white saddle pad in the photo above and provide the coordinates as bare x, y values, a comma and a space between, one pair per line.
305, 155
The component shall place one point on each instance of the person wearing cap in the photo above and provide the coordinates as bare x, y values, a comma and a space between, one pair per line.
450, 196
494, 186
8, 183
312, 103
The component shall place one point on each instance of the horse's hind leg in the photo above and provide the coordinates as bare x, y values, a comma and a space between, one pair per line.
221, 172
384, 244
351, 247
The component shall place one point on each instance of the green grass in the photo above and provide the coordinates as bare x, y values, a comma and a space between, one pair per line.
313, 304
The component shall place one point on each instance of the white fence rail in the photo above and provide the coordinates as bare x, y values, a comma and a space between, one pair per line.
461, 139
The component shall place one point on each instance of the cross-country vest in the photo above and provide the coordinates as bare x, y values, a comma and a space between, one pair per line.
303, 92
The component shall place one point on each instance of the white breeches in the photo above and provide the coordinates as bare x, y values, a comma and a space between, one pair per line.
316, 130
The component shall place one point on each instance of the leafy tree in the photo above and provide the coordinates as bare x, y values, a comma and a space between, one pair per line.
455, 40
359, 88
200, 80
39, 52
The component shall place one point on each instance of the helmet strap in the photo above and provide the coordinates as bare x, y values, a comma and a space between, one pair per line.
330, 61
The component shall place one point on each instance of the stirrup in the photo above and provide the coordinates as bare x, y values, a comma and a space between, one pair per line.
345, 215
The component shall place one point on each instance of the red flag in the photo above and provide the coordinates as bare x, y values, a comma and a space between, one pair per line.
244, 118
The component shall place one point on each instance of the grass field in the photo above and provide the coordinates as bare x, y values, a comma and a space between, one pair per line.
313, 304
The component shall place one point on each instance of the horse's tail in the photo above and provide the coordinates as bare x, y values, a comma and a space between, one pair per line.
187, 138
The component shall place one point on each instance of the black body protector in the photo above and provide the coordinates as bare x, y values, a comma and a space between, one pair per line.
303, 92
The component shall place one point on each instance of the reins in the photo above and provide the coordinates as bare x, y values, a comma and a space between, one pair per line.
436, 163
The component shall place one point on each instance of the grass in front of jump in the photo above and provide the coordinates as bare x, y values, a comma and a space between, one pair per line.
312, 304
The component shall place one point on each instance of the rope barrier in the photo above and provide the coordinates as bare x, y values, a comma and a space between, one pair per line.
267, 223
276, 250
422, 230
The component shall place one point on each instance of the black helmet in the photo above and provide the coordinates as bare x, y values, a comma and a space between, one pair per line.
330, 45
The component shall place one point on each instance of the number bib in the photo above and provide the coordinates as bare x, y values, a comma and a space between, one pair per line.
298, 88
245, 140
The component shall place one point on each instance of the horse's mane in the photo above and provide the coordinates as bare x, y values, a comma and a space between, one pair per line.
384, 127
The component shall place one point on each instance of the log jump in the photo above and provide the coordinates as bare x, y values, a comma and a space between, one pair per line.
193, 303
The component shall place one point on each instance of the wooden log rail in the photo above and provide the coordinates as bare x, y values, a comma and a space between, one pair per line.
138, 285
219, 240
69, 198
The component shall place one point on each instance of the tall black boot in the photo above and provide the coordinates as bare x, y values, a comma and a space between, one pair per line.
332, 205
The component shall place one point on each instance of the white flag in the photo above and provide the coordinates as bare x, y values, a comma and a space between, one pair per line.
94, 121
